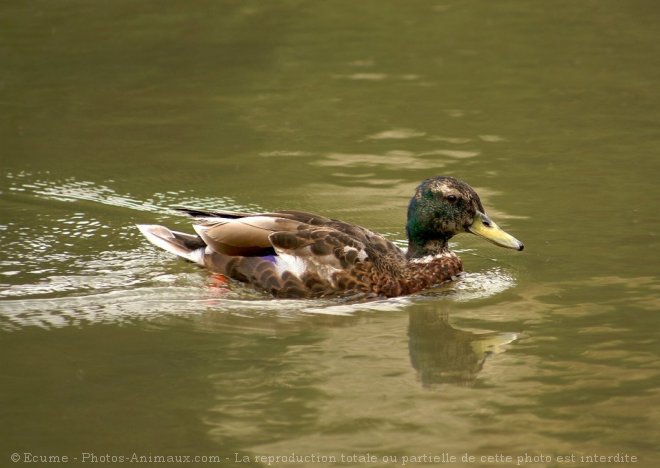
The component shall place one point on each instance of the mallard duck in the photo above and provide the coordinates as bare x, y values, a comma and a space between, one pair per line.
293, 254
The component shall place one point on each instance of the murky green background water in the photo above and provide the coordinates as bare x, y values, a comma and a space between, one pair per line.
111, 112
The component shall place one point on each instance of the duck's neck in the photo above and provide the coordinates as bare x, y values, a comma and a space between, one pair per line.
428, 265
417, 249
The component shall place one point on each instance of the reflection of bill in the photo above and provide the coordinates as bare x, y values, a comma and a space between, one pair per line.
443, 354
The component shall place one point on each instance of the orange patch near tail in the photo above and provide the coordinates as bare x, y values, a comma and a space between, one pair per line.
219, 281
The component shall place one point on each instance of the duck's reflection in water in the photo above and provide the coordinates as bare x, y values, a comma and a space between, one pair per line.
443, 354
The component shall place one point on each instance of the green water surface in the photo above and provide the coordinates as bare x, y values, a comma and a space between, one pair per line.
112, 112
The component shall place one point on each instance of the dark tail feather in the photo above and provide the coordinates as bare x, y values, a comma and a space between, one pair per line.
195, 213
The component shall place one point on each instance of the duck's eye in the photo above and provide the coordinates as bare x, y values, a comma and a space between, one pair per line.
452, 198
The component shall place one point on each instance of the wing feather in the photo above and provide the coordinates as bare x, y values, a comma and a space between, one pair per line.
247, 236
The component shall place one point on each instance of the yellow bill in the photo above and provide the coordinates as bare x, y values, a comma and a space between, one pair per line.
484, 227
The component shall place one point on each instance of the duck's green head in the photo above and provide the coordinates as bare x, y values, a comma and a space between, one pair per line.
443, 207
